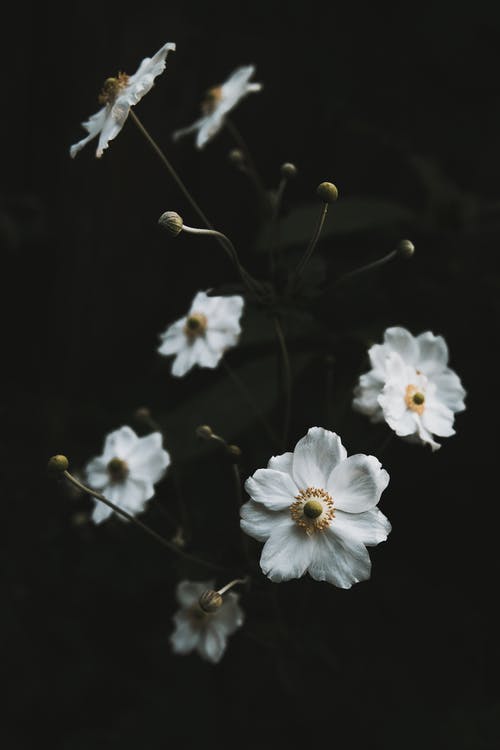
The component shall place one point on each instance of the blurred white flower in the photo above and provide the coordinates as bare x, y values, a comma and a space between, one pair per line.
126, 471
218, 101
205, 632
411, 387
211, 326
117, 96
315, 509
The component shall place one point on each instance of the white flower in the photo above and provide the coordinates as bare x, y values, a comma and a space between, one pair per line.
211, 326
118, 95
315, 509
219, 100
126, 471
205, 632
411, 387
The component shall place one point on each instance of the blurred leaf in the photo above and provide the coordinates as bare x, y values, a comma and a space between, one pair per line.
347, 216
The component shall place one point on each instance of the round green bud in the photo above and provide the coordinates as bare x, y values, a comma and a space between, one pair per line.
58, 464
288, 170
406, 248
172, 222
210, 601
204, 431
236, 157
312, 509
234, 452
418, 398
327, 192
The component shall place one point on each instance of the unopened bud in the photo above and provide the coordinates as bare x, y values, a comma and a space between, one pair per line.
234, 452
172, 222
210, 601
236, 157
205, 432
406, 248
57, 464
327, 192
288, 170
143, 413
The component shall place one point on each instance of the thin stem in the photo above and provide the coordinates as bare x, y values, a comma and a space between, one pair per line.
164, 542
237, 484
368, 267
251, 403
273, 240
313, 242
170, 168
287, 379
231, 584
329, 390
252, 170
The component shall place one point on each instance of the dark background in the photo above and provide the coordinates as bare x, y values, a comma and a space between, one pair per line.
401, 109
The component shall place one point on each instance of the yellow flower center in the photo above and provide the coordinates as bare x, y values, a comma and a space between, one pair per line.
112, 87
414, 399
211, 100
117, 470
312, 510
196, 325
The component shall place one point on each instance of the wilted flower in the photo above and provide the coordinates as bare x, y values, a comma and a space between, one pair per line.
205, 632
218, 101
211, 326
117, 96
411, 387
315, 509
127, 470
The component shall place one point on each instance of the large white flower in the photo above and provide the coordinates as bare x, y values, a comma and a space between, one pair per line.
211, 326
126, 471
117, 96
410, 386
315, 509
218, 101
205, 632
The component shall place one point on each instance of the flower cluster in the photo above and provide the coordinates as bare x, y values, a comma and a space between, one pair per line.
315, 509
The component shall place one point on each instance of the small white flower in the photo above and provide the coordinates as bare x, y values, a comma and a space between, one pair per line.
126, 471
411, 387
218, 101
211, 326
205, 632
315, 509
117, 96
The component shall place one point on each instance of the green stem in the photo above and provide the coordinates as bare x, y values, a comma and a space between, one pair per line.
313, 242
368, 267
287, 379
251, 170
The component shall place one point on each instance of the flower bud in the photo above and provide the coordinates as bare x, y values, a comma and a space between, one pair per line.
210, 601
288, 170
327, 192
57, 464
172, 222
204, 431
406, 248
234, 452
236, 157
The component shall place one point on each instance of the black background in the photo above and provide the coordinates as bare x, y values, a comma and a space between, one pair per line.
396, 107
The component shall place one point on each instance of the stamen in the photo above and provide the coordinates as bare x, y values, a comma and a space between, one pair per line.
313, 510
196, 325
112, 87
415, 399
117, 470
211, 100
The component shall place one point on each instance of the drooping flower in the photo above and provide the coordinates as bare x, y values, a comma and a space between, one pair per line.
411, 387
197, 629
126, 471
218, 101
316, 510
117, 96
211, 326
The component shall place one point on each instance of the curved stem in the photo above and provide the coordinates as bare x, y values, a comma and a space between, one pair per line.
164, 542
252, 170
287, 379
368, 267
313, 242
231, 584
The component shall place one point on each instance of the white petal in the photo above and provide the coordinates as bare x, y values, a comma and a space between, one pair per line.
230, 615
272, 488
433, 353
212, 644
101, 512
151, 67
405, 425
93, 126
112, 125
449, 390
119, 444
401, 341
189, 129
287, 553
96, 473
130, 495
357, 483
148, 460
185, 637
174, 338
182, 363
188, 592
424, 435
315, 456
366, 395
209, 128
207, 356
370, 527
438, 419
339, 561
226, 313
259, 522
282, 463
